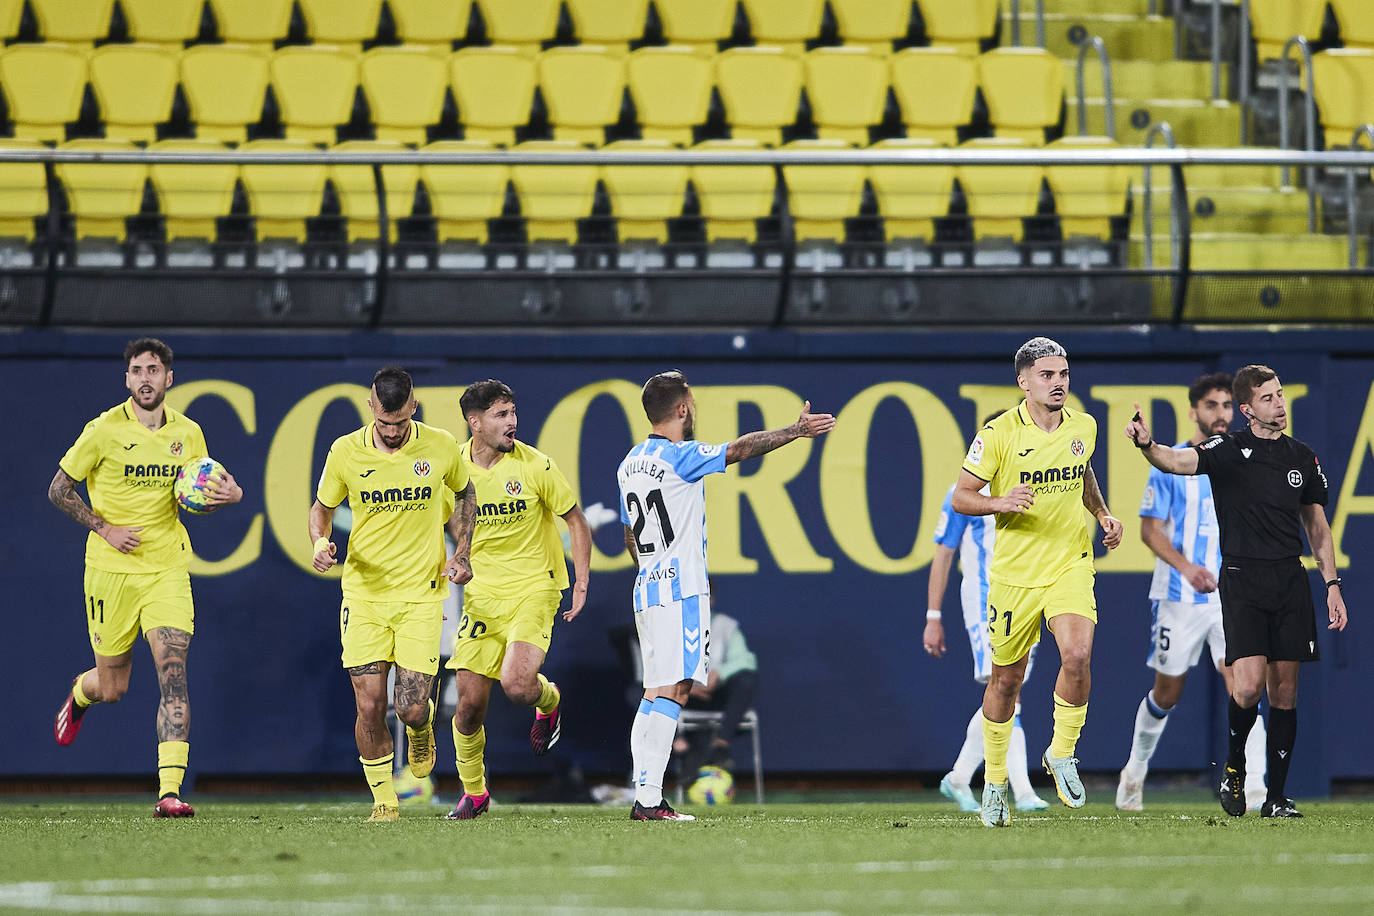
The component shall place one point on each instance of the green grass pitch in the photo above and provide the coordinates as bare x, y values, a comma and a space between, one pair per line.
83, 855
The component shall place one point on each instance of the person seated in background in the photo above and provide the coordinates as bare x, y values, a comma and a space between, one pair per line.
730, 687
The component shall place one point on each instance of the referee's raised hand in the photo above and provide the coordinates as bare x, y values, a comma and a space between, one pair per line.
1137, 431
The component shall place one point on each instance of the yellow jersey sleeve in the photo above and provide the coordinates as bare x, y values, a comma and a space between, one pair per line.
456, 475
984, 456
332, 490
554, 489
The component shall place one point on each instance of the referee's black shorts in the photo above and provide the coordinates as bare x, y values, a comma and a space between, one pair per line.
1266, 609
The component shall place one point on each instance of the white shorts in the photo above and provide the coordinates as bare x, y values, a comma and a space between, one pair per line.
982, 653
675, 641
1177, 631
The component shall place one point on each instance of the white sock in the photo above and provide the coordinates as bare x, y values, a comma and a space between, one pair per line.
1021, 787
639, 733
657, 745
971, 754
1149, 725
1256, 755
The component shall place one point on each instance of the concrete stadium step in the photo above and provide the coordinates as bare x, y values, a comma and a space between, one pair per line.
1145, 79
1223, 210
1195, 123
1126, 37
1249, 251
1093, 7
1227, 176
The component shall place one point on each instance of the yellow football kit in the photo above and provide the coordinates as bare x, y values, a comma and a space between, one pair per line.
1042, 563
129, 471
393, 583
518, 569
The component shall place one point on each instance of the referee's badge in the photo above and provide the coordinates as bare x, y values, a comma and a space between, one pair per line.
1295, 478
1076, 446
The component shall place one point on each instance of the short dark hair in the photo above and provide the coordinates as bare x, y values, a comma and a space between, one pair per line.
1208, 383
393, 386
148, 345
1036, 348
663, 393
481, 395
1248, 378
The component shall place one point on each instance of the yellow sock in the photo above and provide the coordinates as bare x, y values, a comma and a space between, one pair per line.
419, 732
1068, 723
378, 775
81, 698
996, 741
471, 749
549, 696
171, 766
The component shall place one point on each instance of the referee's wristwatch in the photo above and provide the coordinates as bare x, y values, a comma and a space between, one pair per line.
1336, 582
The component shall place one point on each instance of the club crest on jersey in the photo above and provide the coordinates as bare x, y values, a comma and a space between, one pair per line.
975, 451
422, 468
513, 487
176, 449
1295, 478
1076, 446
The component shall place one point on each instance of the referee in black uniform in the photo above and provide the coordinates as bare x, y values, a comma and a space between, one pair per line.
1266, 486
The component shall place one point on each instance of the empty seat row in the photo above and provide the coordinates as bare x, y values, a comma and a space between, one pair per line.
525, 23
553, 198
1273, 22
493, 87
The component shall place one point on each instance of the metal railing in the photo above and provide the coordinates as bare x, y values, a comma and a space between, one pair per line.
1352, 204
1097, 44
1243, 90
1310, 108
1039, 23
1178, 208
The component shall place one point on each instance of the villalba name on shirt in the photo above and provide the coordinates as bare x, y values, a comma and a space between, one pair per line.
646, 466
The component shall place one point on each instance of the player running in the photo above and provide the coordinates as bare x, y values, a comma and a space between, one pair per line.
137, 555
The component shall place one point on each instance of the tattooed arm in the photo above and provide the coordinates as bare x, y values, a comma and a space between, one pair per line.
809, 425
460, 525
62, 494
1112, 529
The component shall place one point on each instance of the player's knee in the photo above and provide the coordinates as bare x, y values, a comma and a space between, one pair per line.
468, 718
1075, 660
522, 690
371, 709
1246, 695
416, 715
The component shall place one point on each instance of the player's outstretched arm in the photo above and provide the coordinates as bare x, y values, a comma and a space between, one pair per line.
1168, 460
808, 426
934, 636
581, 542
1324, 549
966, 500
460, 525
1112, 529
321, 525
62, 494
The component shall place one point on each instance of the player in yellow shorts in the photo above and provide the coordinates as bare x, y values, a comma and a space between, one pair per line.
137, 555
400, 478
519, 577
1036, 459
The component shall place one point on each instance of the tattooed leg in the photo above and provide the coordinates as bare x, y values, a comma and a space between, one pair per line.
412, 696
170, 647
369, 693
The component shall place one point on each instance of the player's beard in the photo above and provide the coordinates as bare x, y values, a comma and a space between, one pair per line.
689, 427
157, 398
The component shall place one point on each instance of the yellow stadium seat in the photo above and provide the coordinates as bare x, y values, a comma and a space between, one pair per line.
357, 189
934, 115
911, 197
761, 88
225, 87
1024, 89
583, 87
10, 13
167, 21
1087, 197
876, 23
554, 197
494, 89
347, 23
960, 24
822, 197
1273, 22
1344, 82
786, 23
437, 23
1356, 19
1000, 196
700, 24
315, 87
259, 22
612, 23
283, 196
43, 84
74, 21
671, 88
523, 24
405, 91
193, 195
23, 191
134, 85
102, 195
645, 197
733, 197
848, 91
463, 197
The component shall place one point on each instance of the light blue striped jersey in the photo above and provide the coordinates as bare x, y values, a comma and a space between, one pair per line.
972, 536
1184, 503
663, 502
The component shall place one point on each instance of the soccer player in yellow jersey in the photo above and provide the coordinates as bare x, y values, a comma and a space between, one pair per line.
520, 574
1036, 460
400, 478
137, 555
